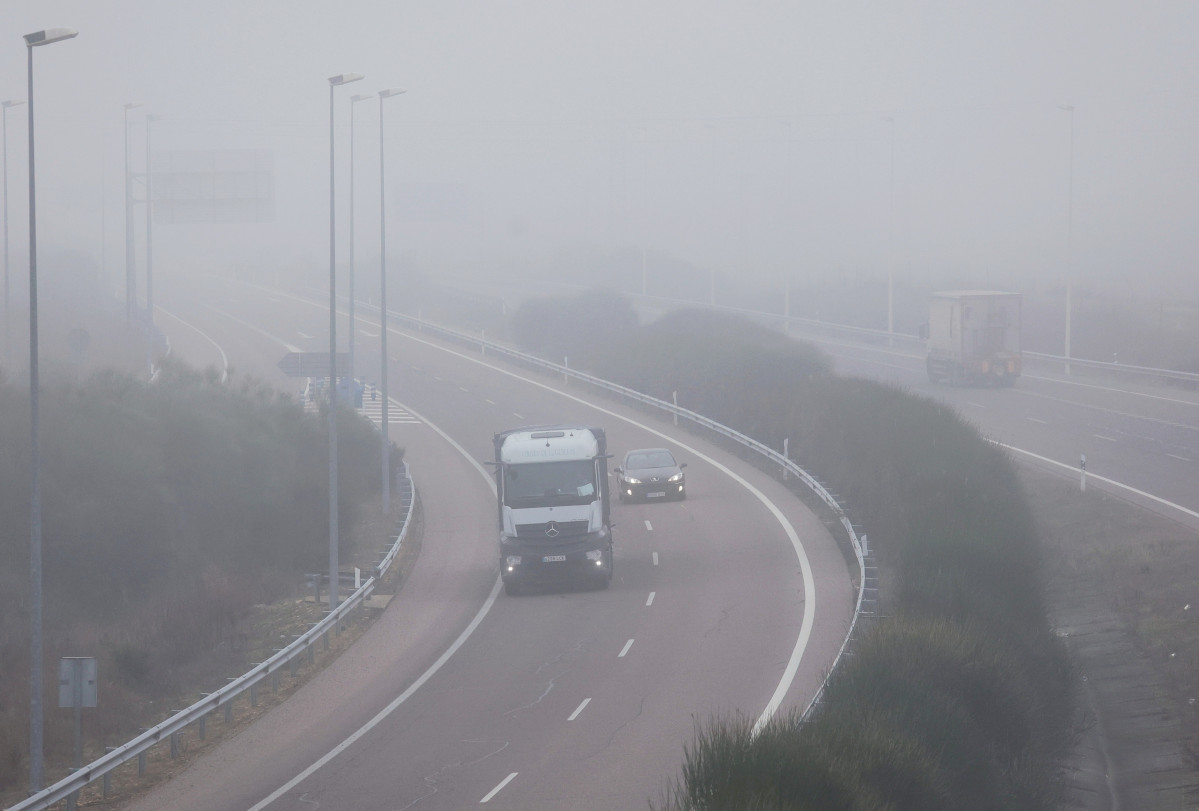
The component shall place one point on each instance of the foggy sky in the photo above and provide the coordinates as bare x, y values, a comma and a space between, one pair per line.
796, 138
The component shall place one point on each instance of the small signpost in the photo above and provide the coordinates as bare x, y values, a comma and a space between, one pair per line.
77, 689
313, 364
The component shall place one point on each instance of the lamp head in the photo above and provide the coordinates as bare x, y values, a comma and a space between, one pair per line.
392, 91
345, 78
49, 35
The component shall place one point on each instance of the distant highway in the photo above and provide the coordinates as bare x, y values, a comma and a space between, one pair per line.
566, 699
1139, 435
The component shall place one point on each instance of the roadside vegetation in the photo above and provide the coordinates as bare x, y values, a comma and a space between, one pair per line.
170, 510
960, 696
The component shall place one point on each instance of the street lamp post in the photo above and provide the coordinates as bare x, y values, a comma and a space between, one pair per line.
7, 311
1069, 108
384, 94
33, 40
130, 281
353, 101
334, 82
150, 119
891, 240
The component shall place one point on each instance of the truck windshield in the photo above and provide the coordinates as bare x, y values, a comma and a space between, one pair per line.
549, 483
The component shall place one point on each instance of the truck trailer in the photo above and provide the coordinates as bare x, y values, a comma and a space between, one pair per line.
974, 337
554, 506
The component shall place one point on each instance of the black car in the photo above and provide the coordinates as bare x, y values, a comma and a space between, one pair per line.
650, 473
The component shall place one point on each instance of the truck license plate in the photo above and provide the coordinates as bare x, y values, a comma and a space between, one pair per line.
655, 495
553, 558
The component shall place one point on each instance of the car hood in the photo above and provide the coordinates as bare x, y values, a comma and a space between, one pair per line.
650, 472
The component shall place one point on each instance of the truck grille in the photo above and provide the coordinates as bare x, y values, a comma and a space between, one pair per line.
551, 531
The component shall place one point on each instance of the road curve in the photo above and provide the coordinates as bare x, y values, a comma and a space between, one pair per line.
563, 699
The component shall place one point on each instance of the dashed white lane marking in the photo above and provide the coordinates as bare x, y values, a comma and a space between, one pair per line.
1179, 458
305, 335
655, 558
579, 709
1104, 438
489, 402
650, 601
496, 790
625, 649
649, 526
463, 389
1042, 422
518, 416
975, 405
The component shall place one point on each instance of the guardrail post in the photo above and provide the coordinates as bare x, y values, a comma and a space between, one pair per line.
566, 374
275, 681
174, 745
106, 783
674, 397
1082, 469
229, 711
786, 455
254, 695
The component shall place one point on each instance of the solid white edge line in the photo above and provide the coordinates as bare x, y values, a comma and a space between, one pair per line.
650, 600
496, 790
1103, 479
655, 558
424, 677
648, 526
625, 649
207, 337
579, 709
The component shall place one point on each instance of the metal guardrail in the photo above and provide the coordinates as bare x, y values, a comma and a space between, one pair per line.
860, 552
223, 698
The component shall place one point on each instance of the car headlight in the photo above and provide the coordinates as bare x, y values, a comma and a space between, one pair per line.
678, 477
631, 480
595, 554
513, 560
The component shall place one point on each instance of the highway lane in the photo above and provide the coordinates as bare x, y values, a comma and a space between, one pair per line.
586, 697
1144, 436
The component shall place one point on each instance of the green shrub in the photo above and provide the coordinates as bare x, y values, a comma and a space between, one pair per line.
961, 699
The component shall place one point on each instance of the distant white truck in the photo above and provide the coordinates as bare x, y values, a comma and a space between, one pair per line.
974, 337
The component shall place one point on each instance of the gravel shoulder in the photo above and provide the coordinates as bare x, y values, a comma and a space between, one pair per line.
1122, 592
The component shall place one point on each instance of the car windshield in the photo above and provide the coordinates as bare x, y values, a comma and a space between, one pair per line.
648, 459
549, 483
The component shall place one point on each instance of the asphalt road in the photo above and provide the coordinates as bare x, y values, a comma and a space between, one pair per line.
1144, 438
458, 695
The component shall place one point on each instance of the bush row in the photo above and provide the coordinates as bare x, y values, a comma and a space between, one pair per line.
960, 698
168, 510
